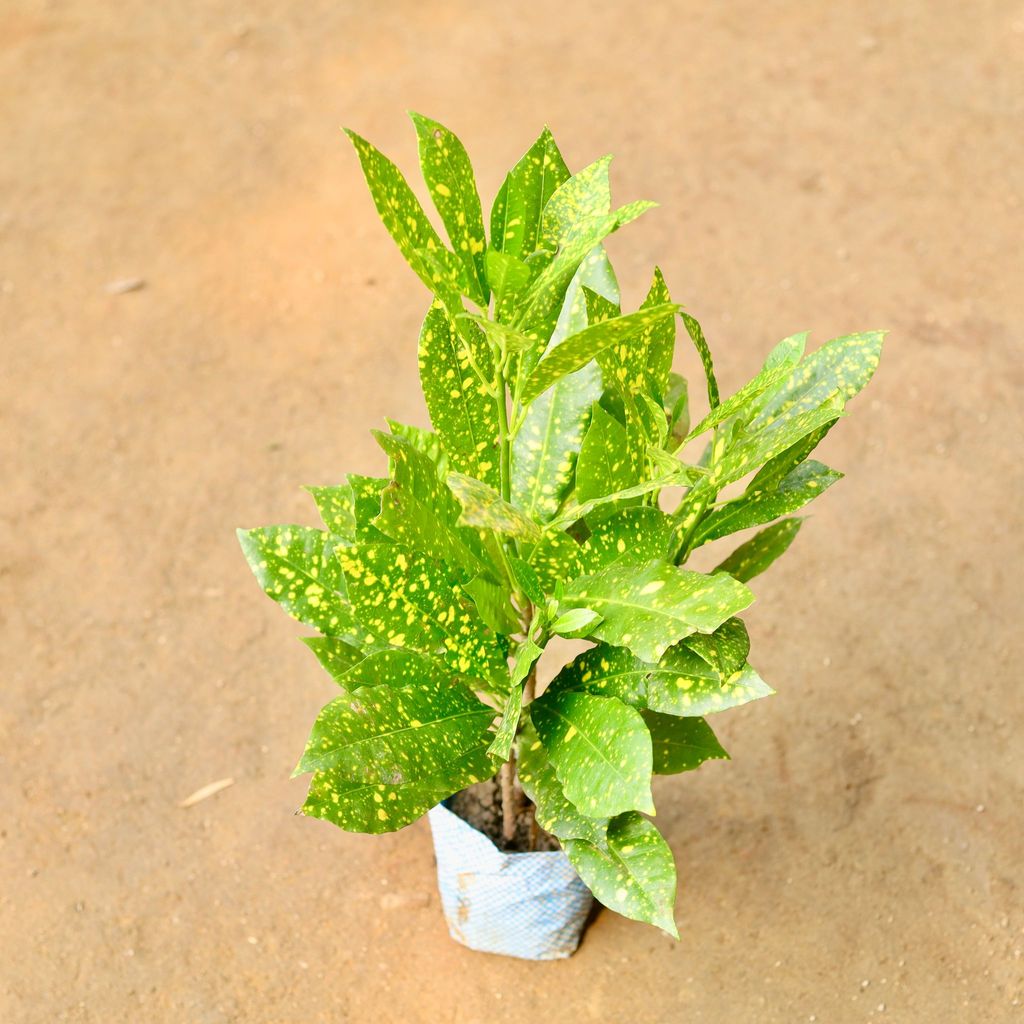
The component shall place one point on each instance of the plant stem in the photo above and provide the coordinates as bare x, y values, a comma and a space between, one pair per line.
530, 686
509, 799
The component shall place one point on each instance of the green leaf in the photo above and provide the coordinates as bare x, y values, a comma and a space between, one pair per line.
526, 578
296, 568
601, 751
492, 602
386, 734
841, 367
425, 441
693, 329
648, 608
757, 506
540, 304
677, 407
379, 807
681, 684
642, 366
462, 409
337, 508
553, 811
546, 447
502, 337
507, 276
449, 176
604, 466
575, 623
742, 399
725, 650
335, 655
681, 744
751, 559
405, 220
578, 350
636, 535
419, 511
366, 492
396, 668
780, 466
634, 876
406, 600
519, 205
573, 511
555, 558
501, 745
482, 506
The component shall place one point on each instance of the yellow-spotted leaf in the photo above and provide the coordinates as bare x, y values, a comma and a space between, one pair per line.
295, 566
337, 508
633, 873
449, 176
681, 744
501, 745
519, 205
547, 444
682, 683
604, 466
457, 375
378, 807
419, 511
576, 351
396, 668
482, 506
757, 554
391, 735
600, 749
335, 655
636, 535
693, 329
554, 559
725, 650
555, 814
648, 608
757, 506
406, 222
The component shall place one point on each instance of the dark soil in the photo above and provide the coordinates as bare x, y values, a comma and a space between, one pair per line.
480, 805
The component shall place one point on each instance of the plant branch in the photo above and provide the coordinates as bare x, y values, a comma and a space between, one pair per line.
509, 799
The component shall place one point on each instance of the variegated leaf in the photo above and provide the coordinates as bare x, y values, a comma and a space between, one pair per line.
295, 566
457, 375
449, 176
378, 807
681, 684
601, 751
337, 508
681, 744
519, 205
757, 506
391, 735
757, 554
555, 814
579, 349
548, 442
482, 506
406, 222
649, 608
636, 535
633, 874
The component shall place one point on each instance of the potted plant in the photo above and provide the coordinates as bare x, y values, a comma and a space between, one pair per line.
536, 508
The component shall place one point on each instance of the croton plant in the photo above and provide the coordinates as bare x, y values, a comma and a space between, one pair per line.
538, 507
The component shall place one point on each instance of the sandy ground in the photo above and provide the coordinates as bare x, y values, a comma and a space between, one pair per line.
830, 167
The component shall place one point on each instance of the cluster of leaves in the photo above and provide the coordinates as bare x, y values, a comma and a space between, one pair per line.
532, 509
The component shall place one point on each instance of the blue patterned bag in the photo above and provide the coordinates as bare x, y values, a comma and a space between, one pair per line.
527, 905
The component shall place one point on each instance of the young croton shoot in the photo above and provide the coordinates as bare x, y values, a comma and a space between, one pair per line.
535, 509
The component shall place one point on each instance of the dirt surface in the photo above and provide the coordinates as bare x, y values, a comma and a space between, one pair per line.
481, 806
831, 167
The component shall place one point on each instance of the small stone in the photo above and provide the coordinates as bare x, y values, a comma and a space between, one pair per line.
126, 284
